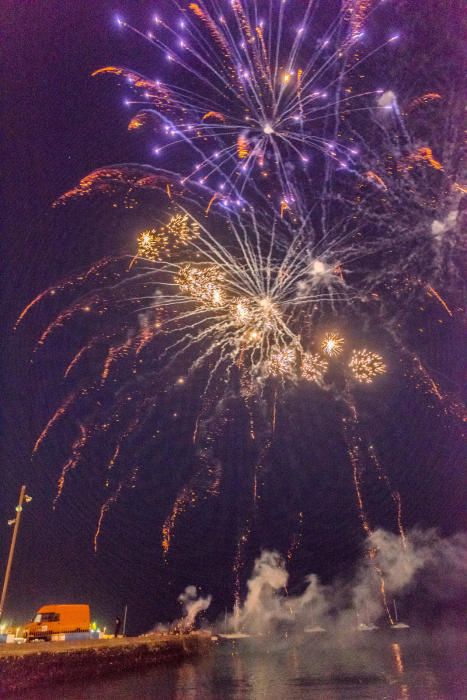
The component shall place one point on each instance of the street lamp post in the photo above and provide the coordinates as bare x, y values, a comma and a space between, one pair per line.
16, 521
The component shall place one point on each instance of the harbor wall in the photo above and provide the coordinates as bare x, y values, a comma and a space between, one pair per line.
46, 665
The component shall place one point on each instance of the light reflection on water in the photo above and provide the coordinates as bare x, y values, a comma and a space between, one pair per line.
368, 666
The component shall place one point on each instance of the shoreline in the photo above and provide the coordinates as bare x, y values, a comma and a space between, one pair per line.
28, 666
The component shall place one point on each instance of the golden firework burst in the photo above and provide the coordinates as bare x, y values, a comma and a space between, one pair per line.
332, 344
313, 368
366, 365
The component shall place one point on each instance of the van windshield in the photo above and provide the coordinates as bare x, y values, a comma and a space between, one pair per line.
47, 617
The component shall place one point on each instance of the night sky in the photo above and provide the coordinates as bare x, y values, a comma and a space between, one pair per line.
58, 125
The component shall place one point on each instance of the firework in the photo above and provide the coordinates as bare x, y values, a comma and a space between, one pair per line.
153, 243
121, 184
239, 305
242, 311
141, 120
423, 154
72, 461
423, 100
313, 368
204, 284
260, 97
431, 291
354, 442
231, 306
282, 362
332, 344
366, 365
356, 12
57, 415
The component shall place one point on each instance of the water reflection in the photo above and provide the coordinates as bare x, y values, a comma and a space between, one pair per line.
367, 666
399, 666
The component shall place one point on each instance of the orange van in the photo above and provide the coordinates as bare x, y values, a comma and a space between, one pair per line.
58, 620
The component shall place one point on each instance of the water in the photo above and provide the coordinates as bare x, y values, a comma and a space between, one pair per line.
370, 665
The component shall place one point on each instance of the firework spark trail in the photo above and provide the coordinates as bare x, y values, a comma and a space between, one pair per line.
398, 501
64, 284
61, 410
354, 444
115, 352
111, 501
424, 154
127, 180
296, 538
207, 477
423, 100
239, 561
382, 590
112, 354
84, 306
146, 336
72, 461
424, 380
373, 177
207, 404
112, 460
395, 495
52, 291
247, 391
212, 27
251, 420
189, 495
259, 467
274, 413
356, 13
78, 356
432, 292
132, 426
211, 202
108, 503
249, 519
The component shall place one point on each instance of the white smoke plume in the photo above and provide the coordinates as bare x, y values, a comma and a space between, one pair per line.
428, 563
264, 602
192, 607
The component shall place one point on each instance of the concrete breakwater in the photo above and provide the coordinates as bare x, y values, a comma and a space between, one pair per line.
47, 663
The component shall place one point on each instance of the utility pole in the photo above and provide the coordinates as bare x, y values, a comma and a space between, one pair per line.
124, 620
16, 521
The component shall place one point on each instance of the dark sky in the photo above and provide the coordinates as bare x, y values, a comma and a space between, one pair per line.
59, 124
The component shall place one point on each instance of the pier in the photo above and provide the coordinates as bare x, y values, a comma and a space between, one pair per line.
26, 666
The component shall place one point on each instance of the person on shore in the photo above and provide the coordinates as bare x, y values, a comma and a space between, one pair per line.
118, 624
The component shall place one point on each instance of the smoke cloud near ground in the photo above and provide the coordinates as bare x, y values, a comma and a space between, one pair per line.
193, 605
426, 562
